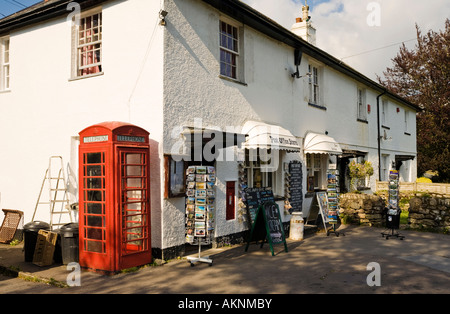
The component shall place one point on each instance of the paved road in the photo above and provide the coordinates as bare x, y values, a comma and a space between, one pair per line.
318, 264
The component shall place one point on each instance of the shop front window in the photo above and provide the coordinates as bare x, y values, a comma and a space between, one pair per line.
263, 173
315, 170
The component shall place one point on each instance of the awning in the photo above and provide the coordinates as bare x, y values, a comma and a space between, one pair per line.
200, 136
321, 144
263, 135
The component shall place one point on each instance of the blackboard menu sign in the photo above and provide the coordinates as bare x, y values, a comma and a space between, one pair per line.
295, 187
256, 197
268, 226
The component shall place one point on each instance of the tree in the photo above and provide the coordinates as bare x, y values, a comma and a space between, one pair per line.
422, 76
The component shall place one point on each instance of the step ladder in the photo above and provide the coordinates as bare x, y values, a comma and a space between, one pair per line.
58, 199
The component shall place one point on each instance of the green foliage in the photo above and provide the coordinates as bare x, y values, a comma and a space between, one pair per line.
422, 76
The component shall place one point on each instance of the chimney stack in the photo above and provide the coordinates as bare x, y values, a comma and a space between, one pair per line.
303, 26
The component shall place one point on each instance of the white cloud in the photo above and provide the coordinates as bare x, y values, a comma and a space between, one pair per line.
343, 31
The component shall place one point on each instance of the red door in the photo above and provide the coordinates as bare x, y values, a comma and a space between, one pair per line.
133, 198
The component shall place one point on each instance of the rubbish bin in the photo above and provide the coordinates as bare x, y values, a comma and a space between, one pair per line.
393, 218
69, 243
30, 231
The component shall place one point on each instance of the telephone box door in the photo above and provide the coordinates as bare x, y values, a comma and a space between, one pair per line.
134, 206
96, 239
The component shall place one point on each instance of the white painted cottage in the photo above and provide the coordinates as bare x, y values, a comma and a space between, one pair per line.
183, 69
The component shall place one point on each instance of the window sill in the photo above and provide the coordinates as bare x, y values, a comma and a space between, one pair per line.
317, 106
406, 133
362, 120
226, 78
85, 76
385, 127
5, 91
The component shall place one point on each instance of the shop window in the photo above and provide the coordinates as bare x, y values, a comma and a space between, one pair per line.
263, 169
315, 171
175, 182
4, 63
87, 46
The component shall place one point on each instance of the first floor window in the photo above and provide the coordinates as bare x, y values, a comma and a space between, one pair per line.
4, 64
88, 52
313, 85
362, 114
229, 50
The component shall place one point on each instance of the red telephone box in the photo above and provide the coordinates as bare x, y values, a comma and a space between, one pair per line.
114, 197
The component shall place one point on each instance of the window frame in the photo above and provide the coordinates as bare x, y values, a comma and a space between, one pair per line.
236, 50
361, 94
77, 68
5, 68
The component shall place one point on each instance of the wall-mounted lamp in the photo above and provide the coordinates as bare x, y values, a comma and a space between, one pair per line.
297, 74
162, 16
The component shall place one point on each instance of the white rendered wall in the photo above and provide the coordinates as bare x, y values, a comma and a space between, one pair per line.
44, 111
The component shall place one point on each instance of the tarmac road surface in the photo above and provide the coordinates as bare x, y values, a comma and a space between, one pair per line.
361, 262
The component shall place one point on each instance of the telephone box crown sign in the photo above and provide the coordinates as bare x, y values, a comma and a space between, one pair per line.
113, 132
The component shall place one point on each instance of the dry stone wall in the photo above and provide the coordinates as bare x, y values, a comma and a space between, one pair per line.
363, 209
429, 212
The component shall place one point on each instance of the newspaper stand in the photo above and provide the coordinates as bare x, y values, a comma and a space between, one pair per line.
393, 211
114, 197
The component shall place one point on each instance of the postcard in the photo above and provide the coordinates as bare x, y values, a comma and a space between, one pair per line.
200, 193
201, 169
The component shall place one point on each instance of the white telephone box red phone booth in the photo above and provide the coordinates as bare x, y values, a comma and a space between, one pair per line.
114, 197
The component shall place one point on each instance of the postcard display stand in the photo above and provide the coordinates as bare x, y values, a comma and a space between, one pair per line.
333, 201
200, 210
393, 210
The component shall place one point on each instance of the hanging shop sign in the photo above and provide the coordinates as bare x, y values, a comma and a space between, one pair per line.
268, 226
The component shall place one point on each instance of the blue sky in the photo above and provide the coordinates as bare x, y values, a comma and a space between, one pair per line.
8, 7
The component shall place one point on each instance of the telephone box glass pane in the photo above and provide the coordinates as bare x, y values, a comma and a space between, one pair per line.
94, 199
134, 198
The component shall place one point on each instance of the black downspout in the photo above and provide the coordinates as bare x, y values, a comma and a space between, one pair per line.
379, 134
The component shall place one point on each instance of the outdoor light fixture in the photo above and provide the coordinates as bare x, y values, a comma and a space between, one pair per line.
162, 16
297, 74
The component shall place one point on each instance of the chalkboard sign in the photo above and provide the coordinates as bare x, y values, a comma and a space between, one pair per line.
268, 226
256, 197
296, 187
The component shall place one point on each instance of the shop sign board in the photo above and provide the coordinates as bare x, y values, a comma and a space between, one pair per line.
255, 197
268, 226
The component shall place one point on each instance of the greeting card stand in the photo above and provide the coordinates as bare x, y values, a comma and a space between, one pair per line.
393, 211
204, 259
200, 209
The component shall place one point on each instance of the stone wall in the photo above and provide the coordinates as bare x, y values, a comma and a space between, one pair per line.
363, 209
429, 212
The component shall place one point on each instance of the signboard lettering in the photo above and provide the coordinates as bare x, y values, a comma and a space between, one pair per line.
94, 139
126, 138
268, 226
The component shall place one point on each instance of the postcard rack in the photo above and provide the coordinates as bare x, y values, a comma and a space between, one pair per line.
200, 209
333, 200
393, 210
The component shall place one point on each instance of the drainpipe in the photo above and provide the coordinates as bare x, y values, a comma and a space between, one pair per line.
379, 134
